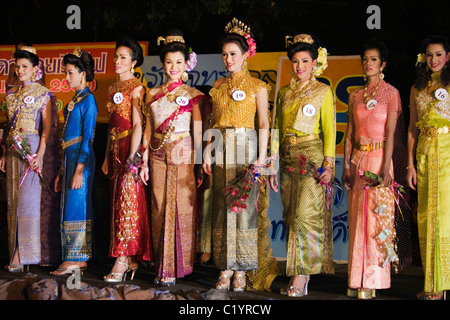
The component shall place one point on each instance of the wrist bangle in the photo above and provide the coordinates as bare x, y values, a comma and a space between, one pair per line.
328, 163
409, 166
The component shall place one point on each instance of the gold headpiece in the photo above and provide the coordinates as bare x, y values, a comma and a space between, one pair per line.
29, 49
170, 39
305, 38
236, 26
77, 52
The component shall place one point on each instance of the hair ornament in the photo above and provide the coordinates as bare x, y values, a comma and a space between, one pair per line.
236, 26
77, 52
169, 39
421, 58
192, 61
305, 38
29, 49
322, 61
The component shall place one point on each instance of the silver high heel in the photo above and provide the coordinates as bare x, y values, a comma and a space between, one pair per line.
296, 291
14, 267
118, 276
223, 283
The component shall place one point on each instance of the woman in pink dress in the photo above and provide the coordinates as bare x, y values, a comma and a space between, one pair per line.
373, 111
130, 228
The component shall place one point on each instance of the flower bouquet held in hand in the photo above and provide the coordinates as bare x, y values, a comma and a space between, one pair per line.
374, 180
243, 189
20, 145
134, 164
306, 167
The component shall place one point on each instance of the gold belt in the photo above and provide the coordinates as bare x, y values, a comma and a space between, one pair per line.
294, 138
433, 132
119, 135
71, 142
173, 137
370, 147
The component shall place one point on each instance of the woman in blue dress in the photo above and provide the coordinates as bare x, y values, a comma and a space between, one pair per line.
78, 164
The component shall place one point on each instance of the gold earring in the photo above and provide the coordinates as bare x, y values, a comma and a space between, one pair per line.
364, 77
33, 76
185, 76
132, 70
381, 75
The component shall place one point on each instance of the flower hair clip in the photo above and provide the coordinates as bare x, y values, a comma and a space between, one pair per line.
421, 58
322, 62
251, 45
192, 61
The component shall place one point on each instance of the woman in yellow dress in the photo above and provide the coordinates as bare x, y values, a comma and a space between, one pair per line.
237, 100
428, 143
306, 108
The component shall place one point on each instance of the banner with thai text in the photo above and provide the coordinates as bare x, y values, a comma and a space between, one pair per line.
51, 58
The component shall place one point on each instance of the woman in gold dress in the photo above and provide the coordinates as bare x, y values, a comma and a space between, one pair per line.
428, 144
237, 100
306, 108
172, 110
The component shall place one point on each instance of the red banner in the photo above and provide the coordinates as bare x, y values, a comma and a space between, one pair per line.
51, 57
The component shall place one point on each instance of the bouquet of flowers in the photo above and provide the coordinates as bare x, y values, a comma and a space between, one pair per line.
133, 165
20, 145
306, 167
239, 191
374, 180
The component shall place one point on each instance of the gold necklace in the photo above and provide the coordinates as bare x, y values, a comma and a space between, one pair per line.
374, 93
171, 96
70, 107
230, 88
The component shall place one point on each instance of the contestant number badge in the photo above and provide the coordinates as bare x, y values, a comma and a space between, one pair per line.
28, 99
182, 101
118, 98
309, 110
70, 105
371, 104
239, 95
441, 94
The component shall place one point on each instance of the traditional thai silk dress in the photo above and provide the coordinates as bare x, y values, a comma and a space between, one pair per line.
433, 181
236, 236
27, 222
371, 210
76, 204
130, 228
173, 185
304, 111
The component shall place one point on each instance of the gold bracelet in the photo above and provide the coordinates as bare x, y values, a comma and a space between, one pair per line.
327, 163
409, 166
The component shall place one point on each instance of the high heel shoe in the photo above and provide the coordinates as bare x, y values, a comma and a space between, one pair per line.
293, 291
223, 283
239, 282
366, 294
121, 276
14, 267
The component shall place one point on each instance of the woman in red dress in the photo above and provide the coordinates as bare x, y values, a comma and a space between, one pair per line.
130, 229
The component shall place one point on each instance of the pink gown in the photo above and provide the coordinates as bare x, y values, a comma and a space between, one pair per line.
371, 210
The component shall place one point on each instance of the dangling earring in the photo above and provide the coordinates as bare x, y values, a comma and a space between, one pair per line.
244, 65
364, 77
132, 70
83, 81
381, 75
33, 76
185, 76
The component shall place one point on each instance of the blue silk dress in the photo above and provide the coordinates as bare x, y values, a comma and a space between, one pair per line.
76, 204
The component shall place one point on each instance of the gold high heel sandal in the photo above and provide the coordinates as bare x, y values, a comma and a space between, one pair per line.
366, 294
223, 283
293, 291
239, 282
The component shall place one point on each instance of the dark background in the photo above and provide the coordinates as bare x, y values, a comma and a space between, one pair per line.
340, 26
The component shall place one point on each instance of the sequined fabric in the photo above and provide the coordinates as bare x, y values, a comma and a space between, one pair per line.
237, 114
130, 226
365, 220
173, 191
31, 221
433, 177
